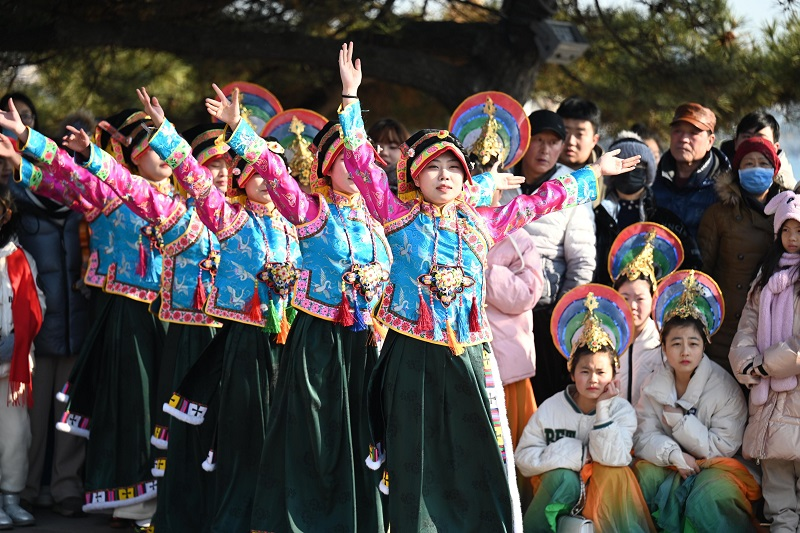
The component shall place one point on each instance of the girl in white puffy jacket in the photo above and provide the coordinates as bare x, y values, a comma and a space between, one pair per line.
691, 416
586, 424
765, 356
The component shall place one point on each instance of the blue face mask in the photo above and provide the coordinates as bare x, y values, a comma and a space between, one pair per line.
756, 180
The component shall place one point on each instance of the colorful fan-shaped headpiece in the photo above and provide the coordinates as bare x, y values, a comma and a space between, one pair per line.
592, 315
295, 129
490, 124
689, 293
645, 250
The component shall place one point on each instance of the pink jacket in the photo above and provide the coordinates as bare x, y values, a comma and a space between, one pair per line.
514, 283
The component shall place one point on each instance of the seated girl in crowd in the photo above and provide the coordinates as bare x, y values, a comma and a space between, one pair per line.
588, 429
691, 416
641, 254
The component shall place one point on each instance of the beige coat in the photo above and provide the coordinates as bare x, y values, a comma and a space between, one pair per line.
713, 423
773, 430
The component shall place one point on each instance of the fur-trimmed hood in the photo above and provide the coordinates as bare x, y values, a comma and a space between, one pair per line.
728, 190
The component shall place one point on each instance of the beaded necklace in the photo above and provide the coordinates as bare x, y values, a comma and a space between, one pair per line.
279, 276
363, 278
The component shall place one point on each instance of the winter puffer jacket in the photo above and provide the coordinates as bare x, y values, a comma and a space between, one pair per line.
691, 201
773, 429
734, 236
559, 435
606, 216
713, 423
513, 286
566, 243
50, 233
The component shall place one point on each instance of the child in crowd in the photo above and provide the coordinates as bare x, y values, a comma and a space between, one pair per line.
764, 356
691, 415
640, 255
439, 334
586, 432
21, 309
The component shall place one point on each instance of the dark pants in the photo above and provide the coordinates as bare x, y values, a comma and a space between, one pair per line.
552, 375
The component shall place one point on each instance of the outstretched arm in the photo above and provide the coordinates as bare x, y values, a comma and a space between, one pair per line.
555, 194
42, 183
359, 157
137, 193
292, 202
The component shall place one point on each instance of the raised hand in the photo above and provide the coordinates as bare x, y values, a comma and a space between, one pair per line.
611, 165
77, 141
222, 108
151, 107
10, 121
349, 71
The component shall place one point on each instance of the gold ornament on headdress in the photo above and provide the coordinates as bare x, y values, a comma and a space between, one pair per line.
489, 143
687, 303
593, 335
643, 265
302, 158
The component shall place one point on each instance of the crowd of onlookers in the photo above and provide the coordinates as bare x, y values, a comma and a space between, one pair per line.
699, 187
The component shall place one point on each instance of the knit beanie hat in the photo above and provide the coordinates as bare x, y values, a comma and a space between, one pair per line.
785, 205
629, 144
756, 144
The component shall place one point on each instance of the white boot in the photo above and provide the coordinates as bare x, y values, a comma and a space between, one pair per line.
18, 515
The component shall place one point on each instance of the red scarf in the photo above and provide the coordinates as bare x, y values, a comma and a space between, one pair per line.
26, 312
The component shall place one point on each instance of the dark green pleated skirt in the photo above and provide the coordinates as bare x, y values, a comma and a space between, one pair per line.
183, 491
433, 416
234, 378
112, 397
312, 476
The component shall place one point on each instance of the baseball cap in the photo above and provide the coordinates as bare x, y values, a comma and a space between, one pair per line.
696, 115
544, 120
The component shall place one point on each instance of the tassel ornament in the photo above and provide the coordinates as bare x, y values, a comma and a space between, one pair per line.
199, 300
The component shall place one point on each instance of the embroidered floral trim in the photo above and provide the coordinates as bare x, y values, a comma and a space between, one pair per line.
92, 277
170, 314
236, 225
140, 294
112, 205
319, 309
237, 315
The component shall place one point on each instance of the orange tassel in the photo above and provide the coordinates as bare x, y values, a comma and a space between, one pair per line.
452, 341
199, 301
253, 308
284, 332
345, 314
474, 322
425, 321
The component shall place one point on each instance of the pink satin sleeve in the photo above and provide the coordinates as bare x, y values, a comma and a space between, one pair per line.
211, 204
297, 206
373, 184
